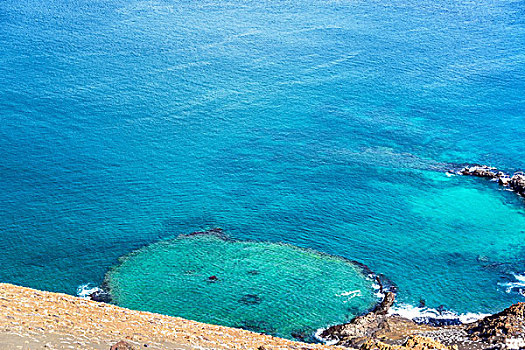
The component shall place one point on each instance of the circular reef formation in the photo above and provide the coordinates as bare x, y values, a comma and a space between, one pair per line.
269, 288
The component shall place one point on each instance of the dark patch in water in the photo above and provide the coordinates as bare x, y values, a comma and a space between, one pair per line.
253, 272
353, 310
217, 231
251, 299
301, 335
213, 279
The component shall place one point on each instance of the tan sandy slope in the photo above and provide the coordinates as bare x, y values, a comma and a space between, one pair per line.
32, 319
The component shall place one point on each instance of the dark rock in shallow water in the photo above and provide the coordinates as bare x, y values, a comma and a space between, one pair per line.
258, 326
422, 303
100, 296
298, 336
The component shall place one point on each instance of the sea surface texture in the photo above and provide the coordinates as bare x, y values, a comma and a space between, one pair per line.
243, 284
327, 125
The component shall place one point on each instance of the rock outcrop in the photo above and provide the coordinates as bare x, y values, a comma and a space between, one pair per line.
374, 325
507, 326
379, 330
122, 345
100, 296
516, 182
414, 342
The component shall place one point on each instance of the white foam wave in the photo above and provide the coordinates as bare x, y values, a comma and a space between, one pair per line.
351, 294
518, 285
412, 312
380, 295
85, 290
317, 335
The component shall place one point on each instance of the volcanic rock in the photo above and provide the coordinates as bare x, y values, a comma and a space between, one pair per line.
414, 342
122, 345
374, 325
507, 325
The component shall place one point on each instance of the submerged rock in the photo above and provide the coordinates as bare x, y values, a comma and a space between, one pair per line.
217, 231
251, 299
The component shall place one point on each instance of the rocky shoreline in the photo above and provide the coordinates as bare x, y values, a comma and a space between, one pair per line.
514, 182
32, 319
382, 330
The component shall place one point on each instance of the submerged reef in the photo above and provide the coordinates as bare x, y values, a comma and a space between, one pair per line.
270, 288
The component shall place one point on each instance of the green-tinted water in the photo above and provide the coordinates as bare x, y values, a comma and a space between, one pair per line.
271, 288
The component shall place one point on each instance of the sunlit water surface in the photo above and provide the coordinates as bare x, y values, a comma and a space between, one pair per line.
322, 124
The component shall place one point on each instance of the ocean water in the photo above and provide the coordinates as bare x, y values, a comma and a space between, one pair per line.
243, 284
323, 124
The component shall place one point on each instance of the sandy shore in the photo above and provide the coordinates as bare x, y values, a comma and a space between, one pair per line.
32, 319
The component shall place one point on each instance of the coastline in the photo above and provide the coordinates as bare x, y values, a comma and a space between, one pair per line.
382, 329
32, 319
261, 317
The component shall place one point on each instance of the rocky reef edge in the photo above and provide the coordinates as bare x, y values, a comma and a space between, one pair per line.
514, 182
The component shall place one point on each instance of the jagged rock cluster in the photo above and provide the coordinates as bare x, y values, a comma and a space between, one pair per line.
374, 325
378, 330
414, 342
122, 345
516, 182
503, 327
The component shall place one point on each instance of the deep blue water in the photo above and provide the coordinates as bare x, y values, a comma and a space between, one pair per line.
324, 124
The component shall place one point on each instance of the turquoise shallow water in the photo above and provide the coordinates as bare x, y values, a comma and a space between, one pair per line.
323, 124
270, 288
